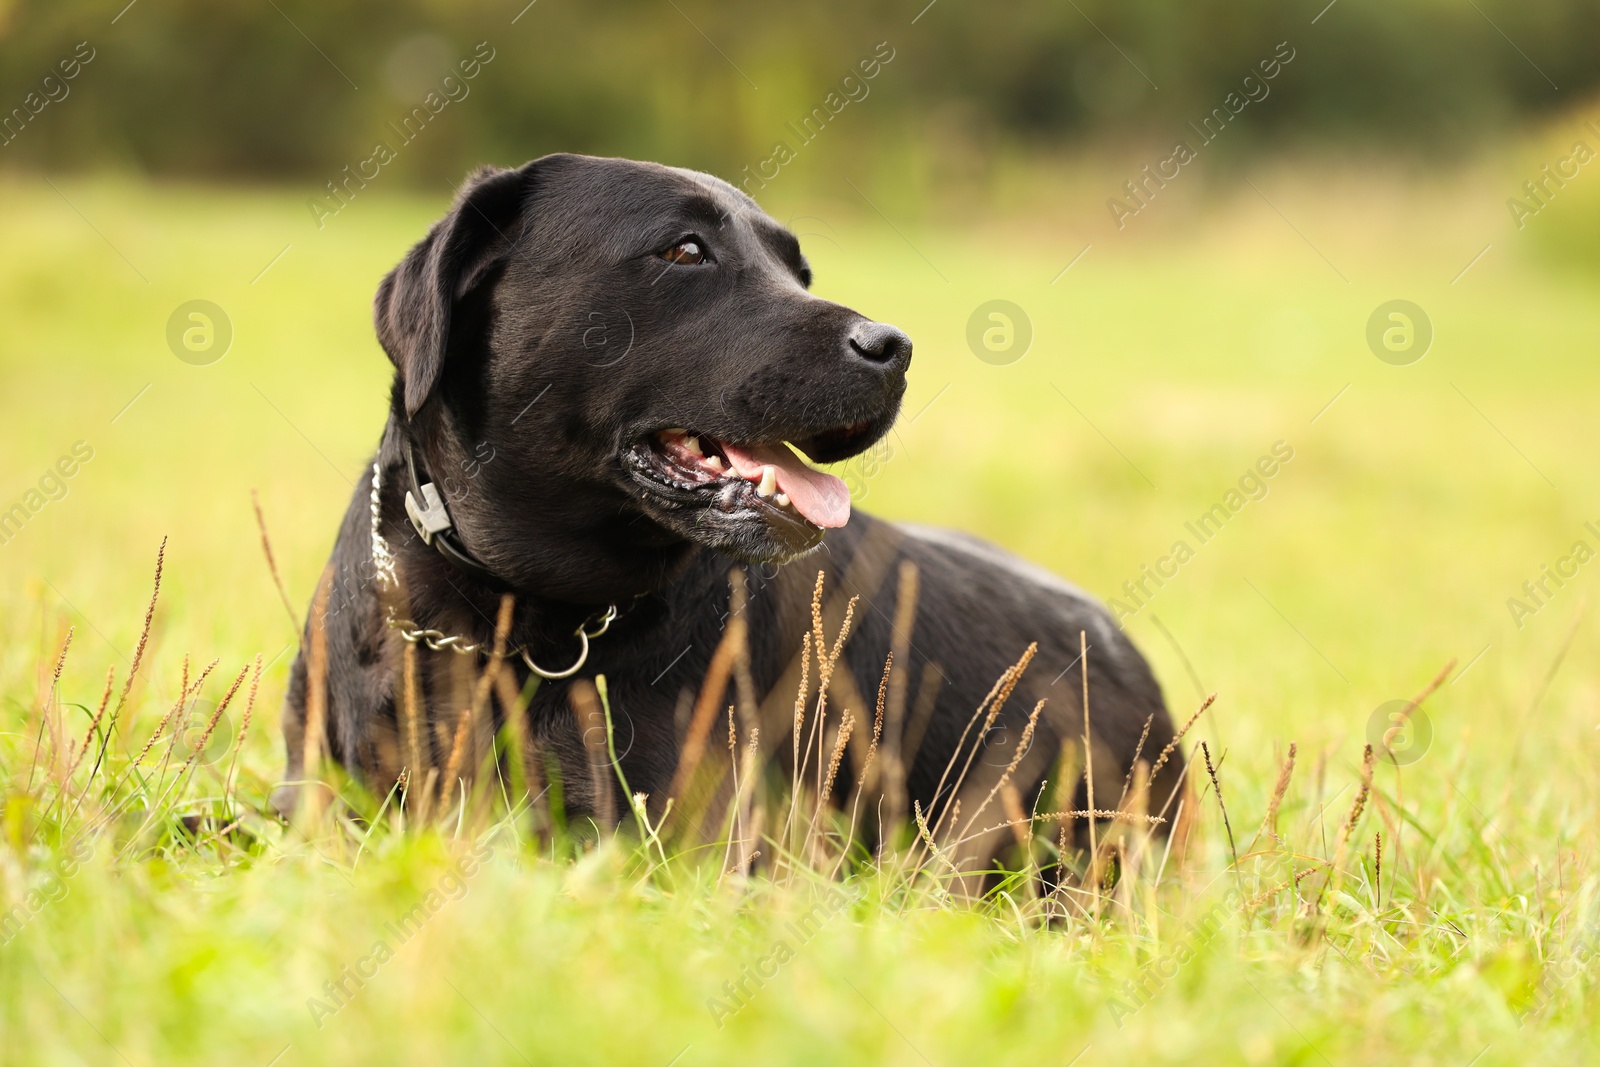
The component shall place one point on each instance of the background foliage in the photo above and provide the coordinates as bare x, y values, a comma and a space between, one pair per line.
253, 90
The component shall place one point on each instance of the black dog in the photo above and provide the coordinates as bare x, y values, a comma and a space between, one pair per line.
599, 363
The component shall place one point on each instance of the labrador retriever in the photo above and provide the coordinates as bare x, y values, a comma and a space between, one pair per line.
606, 375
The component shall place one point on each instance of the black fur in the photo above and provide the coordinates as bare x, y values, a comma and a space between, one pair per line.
538, 336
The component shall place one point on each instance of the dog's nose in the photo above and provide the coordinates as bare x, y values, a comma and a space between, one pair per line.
878, 342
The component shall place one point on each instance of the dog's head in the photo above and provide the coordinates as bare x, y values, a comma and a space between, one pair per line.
626, 356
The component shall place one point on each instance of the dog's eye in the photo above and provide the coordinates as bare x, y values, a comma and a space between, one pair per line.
687, 252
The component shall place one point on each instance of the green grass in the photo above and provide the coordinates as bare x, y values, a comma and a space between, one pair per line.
1413, 508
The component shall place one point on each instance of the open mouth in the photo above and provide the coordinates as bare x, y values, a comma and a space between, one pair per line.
758, 500
767, 476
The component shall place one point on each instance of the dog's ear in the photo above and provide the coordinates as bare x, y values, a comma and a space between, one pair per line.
413, 305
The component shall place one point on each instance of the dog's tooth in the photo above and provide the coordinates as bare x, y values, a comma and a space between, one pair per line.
782, 500
693, 445
675, 431
714, 462
769, 481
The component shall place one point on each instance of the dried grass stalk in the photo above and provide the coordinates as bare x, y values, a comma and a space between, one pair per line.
314, 743
1216, 783
1138, 750
1269, 822
585, 701
1088, 762
272, 563
475, 711
143, 643
877, 720
47, 711
989, 710
1171, 746
184, 697
1261, 898
705, 709
528, 754
1024, 745
846, 725
244, 726
1181, 786
800, 696
1413, 704
1017, 819
894, 759
411, 718
211, 724
94, 723
1362, 794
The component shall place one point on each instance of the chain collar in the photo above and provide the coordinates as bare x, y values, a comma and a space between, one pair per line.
385, 569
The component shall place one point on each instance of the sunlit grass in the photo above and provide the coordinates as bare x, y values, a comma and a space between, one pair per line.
1164, 364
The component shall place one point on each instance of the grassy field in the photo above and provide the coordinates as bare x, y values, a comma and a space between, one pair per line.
1164, 364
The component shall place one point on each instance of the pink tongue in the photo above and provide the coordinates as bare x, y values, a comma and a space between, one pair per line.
821, 498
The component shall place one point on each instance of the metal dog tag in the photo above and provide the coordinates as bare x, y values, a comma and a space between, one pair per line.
431, 519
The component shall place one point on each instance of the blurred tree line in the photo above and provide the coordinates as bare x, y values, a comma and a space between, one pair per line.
271, 88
